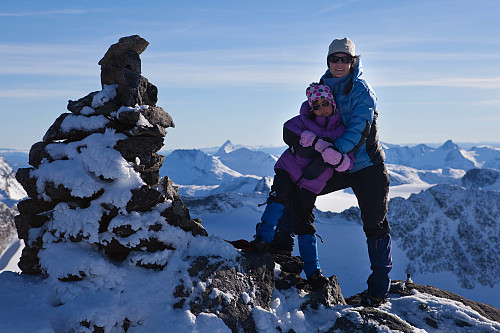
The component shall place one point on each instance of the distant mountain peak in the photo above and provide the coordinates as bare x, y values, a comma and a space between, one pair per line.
226, 148
449, 145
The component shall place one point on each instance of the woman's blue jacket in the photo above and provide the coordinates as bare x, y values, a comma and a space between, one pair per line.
357, 103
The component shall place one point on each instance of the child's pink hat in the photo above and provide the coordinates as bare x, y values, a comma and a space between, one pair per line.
317, 91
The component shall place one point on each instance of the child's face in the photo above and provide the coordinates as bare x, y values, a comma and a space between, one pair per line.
322, 108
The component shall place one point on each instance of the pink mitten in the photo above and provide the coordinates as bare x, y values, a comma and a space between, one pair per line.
321, 145
331, 156
346, 163
307, 138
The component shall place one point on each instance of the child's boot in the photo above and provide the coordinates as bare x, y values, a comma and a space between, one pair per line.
309, 253
284, 239
265, 229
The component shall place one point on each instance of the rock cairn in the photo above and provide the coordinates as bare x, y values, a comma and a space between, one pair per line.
123, 123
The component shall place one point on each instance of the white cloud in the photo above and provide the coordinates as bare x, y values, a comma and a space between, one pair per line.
39, 93
50, 12
484, 83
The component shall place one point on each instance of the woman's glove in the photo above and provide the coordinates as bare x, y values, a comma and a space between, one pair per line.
321, 145
307, 138
333, 157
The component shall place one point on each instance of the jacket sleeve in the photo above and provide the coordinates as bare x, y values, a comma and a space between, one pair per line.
291, 135
363, 105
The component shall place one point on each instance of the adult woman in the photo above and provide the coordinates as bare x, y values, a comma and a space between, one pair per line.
368, 177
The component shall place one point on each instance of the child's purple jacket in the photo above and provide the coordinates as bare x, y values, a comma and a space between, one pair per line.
294, 162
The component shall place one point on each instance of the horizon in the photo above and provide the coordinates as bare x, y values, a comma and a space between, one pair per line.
464, 145
240, 70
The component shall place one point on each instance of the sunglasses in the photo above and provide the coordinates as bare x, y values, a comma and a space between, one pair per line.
318, 106
344, 60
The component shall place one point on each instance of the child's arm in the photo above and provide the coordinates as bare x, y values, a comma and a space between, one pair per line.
292, 130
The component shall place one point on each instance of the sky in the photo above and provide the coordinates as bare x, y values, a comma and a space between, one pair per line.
237, 70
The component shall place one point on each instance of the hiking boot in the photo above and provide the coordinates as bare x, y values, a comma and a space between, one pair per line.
318, 280
371, 301
258, 245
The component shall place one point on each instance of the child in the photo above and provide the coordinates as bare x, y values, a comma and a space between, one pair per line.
301, 173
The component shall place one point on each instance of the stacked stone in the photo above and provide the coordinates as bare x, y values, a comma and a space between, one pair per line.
125, 107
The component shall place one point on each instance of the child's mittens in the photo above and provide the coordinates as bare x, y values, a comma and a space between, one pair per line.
340, 162
307, 138
321, 145
331, 156
345, 165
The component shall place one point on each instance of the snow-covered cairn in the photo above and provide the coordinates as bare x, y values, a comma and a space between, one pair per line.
95, 177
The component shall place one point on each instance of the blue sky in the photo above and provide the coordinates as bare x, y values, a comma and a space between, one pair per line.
238, 69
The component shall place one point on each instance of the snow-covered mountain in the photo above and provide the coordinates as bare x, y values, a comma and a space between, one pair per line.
248, 162
7, 226
400, 174
10, 193
197, 173
16, 158
10, 189
194, 167
449, 228
423, 157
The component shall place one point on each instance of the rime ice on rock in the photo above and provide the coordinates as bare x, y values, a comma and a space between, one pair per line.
95, 176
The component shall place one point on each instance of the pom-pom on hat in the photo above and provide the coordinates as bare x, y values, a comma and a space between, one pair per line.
317, 91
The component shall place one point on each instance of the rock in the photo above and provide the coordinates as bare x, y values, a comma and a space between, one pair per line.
479, 178
38, 153
144, 198
126, 53
133, 89
77, 106
141, 147
23, 176
226, 278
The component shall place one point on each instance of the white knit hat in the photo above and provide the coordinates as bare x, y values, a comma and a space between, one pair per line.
317, 91
342, 45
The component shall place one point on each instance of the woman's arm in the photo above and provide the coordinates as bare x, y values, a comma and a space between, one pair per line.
360, 121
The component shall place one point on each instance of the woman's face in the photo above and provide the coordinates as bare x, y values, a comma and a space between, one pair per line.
322, 108
337, 67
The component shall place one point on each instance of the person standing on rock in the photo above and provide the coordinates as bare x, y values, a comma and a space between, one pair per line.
302, 172
368, 177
